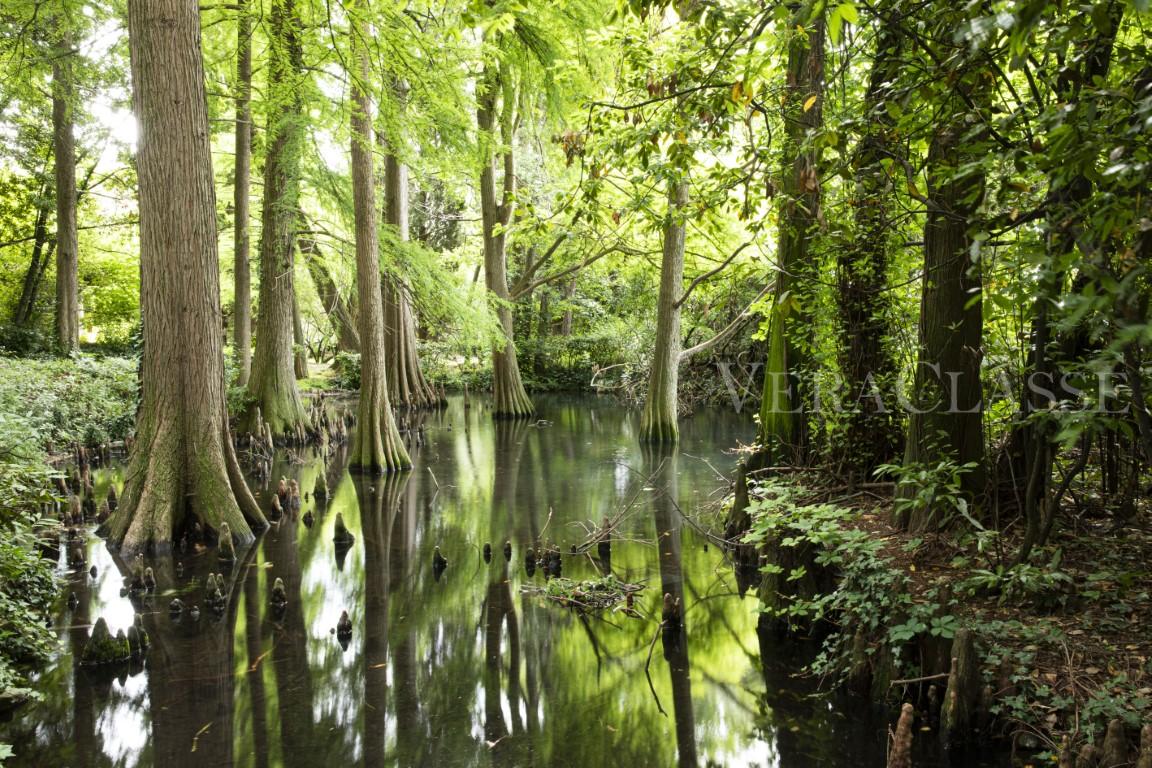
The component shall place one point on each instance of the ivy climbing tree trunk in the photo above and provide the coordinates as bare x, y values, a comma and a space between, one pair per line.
510, 400
783, 433
242, 313
406, 383
787, 371
377, 446
658, 421
272, 386
182, 468
947, 422
64, 149
873, 436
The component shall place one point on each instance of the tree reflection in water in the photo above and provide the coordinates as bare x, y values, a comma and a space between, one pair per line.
465, 670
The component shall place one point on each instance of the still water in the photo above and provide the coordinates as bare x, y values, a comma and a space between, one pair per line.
466, 669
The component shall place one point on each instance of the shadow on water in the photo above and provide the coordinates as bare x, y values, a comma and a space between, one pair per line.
454, 666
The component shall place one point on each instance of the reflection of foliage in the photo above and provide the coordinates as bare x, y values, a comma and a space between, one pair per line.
582, 697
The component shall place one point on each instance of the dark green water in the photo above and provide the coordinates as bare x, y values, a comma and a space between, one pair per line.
464, 670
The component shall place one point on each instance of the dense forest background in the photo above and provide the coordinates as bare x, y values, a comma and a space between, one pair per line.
914, 238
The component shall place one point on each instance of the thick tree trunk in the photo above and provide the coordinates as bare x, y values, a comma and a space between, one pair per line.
873, 435
377, 446
340, 314
406, 383
272, 385
947, 423
658, 422
67, 247
510, 400
242, 312
182, 468
784, 434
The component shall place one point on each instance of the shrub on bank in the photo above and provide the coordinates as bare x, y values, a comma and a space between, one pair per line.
49, 404
45, 406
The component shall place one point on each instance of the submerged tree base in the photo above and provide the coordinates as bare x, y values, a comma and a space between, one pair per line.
662, 431
165, 498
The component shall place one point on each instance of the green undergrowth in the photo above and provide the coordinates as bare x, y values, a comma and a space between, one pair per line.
1062, 637
46, 406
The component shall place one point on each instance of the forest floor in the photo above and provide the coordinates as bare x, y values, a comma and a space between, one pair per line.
1073, 628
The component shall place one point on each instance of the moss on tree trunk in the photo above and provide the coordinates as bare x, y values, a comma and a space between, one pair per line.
242, 309
272, 386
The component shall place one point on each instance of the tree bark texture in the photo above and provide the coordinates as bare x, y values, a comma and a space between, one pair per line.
242, 312
67, 246
784, 434
873, 436
658, 421
947, 378
182, 468
406, 383
510, 399
272, 385
377, 446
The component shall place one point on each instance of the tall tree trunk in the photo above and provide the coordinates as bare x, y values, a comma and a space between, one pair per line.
272, 385
510, 400
42, 249
787, 376
406, 383
242, 313
873, 436
300, 344
340, 314
566, 318
1033, 442
64, 148
377, 446
783, 434
658, 422
543, 330
947, 422
182, 468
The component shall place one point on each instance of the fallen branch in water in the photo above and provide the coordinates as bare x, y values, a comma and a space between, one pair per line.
588, 596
